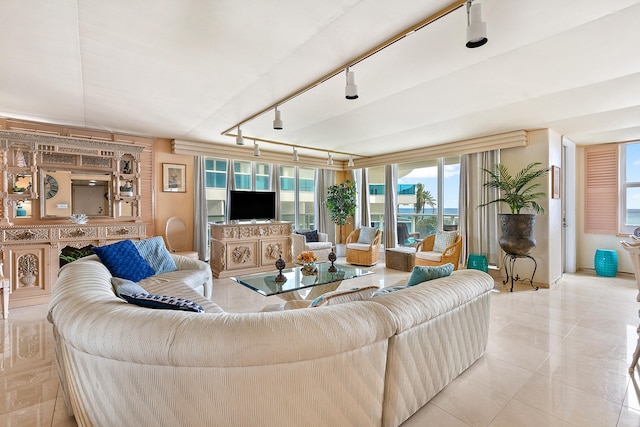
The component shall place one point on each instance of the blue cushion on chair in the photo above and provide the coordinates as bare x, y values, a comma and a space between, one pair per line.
124, 286
162, 302
156, 254
423, 273
123, 260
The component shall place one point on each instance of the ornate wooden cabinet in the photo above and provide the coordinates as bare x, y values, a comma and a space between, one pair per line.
238, 249
31, 253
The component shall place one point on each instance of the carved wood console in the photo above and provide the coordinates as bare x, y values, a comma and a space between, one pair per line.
31, 253
238, 249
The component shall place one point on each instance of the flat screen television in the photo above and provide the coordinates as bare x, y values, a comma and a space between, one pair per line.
249, 205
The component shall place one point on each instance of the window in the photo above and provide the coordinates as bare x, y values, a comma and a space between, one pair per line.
297, 196
630, 173
242, 174
306, 198
216, 173
428, 196
262, 176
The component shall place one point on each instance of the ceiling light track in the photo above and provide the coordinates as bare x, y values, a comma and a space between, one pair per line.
339, 70
303, 147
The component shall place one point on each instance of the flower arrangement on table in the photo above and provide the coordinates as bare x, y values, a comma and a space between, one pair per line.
307, 257
308, 260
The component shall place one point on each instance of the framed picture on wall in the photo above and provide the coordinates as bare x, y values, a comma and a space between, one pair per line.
555, 182
173, 178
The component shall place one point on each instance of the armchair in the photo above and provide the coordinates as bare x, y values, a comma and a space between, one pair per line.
322, 247
425, 255
363, 253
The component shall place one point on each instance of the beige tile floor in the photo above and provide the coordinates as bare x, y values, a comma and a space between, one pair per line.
556, 357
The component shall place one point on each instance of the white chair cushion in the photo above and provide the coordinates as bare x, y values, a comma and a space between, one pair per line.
314, 246
359, 246
430, 255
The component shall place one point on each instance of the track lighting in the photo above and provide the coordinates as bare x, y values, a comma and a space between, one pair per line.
351, 89
239, 138
295, 154
350, 163
256, 149
277, 122
476, 28
329, 160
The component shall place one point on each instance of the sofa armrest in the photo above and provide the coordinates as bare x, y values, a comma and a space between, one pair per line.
186, 263
323, 237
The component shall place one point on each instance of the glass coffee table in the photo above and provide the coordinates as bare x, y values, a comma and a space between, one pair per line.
323, 281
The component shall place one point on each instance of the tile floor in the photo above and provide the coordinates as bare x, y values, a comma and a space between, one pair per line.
555, 357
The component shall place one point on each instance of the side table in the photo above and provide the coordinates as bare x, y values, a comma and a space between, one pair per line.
509, 264
402, 258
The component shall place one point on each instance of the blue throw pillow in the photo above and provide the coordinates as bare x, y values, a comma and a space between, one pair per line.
162, 302
156, 254
383, 291
121, 286
422, 273
123, 260
310, 236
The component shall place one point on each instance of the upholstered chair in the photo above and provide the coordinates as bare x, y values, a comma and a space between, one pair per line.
364, 251
299, 243
430, 253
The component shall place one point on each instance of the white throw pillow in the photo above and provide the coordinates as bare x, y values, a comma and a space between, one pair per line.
367, 234
444, 239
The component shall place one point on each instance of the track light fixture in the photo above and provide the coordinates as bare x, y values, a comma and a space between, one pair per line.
329, 159
351, 89
239, 138
476, 28
295, 154
350, 162
256, 149
277, 122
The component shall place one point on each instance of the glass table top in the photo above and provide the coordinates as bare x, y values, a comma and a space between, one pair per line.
265, 283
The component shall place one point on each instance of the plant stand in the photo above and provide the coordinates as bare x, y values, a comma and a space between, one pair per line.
509, 262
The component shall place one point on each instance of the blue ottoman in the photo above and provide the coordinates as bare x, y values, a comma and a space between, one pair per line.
606, 262
478, 262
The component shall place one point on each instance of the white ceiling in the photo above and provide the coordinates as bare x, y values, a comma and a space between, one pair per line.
190, 69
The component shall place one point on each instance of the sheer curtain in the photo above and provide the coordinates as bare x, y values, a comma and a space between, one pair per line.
390, 205
201, 222
479, 225
231, 183
363, 214
323, 180
274, 178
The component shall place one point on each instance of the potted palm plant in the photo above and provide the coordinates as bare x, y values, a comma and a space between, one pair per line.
341, 202
519, 192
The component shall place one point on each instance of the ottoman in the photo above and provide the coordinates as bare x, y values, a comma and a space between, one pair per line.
401, 258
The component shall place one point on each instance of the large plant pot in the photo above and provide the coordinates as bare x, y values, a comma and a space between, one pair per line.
517, 233
341, 250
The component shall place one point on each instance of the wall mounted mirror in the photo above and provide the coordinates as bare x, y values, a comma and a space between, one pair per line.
64, 193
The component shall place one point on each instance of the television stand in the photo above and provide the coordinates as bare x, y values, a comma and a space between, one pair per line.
245, 248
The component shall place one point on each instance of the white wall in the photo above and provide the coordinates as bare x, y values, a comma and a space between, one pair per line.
545, 146
588, 243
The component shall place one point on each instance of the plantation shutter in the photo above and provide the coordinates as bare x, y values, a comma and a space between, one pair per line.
601, 189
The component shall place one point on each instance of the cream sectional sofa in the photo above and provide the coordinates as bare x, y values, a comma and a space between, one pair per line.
365, 363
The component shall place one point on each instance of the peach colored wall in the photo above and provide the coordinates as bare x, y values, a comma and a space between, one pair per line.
173, 204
